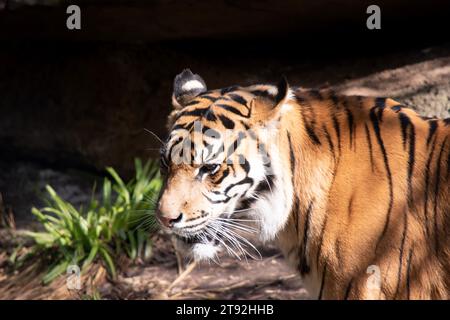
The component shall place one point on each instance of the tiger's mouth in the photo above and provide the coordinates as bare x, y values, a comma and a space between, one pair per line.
200, 246
219, 235
205, 232
197, 238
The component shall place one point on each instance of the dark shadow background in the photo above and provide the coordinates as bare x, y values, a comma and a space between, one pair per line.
81, 99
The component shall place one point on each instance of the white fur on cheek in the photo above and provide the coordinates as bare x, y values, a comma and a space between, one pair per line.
192, 84
274, 207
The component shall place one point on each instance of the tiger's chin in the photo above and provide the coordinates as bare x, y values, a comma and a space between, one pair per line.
205, 251
199, 249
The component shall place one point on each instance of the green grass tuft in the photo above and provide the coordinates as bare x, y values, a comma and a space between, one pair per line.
117, 224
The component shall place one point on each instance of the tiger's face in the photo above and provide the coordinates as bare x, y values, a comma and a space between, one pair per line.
216, 163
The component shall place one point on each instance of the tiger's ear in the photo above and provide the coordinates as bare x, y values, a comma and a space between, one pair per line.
186, 86
282, 91
269, 108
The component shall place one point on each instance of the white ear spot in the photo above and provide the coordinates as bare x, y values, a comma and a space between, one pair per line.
273, 91
192, 84
186, 86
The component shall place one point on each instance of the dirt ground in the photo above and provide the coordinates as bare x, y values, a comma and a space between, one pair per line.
159, 278
267, 278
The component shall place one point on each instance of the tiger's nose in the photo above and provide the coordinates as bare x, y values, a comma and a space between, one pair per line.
167, 220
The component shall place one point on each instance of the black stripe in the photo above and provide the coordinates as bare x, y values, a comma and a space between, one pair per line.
210, 98
237, 98
210, 132
312, 135
436, 195
350, 122
303, 265
227, 198
295, 206
227, 123
402, 245
427, 185
335, 99
193, 113
360, 101
408, 274
233, 110
376, 127
369, 143
324, 273
397, 108
411, 161
433, 124
322, 233
315, 94
215, 155
169, 152
309, 126
193, 150
338, 132
330, 142
224, 175
250, 132
228, 89
291, 156
307, 111
246, 180
209, 149
380, 102
245, 203
210, 116
350, 205
349, 288
262, 187
295, 213
300, 99
191, 103
186, 126
233, 147
406, 125
245, 165
262, 93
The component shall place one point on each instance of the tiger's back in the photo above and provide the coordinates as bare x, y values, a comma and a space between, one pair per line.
386, 204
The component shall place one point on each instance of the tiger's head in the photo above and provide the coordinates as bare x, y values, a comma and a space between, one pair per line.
222, 157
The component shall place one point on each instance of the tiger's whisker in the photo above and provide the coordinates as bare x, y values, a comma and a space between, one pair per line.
154, 135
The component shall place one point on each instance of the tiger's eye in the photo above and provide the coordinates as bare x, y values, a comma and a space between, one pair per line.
210, 168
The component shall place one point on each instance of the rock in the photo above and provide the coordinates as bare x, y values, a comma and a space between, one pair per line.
423, 86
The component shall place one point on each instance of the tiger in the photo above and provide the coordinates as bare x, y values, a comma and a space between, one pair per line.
354, 190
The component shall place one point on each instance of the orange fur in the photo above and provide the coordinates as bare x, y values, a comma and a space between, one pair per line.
350, 229
370, 182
